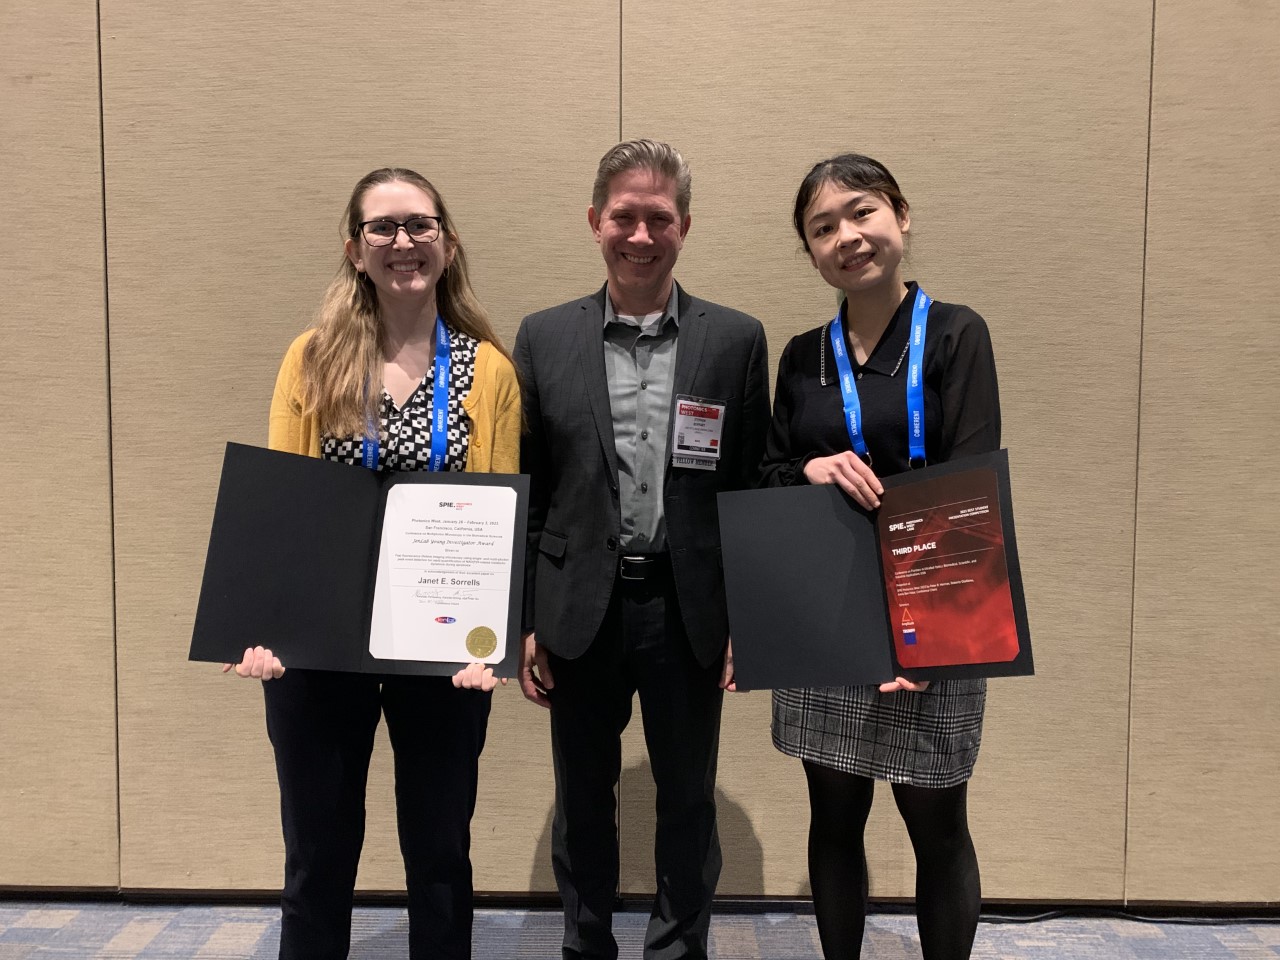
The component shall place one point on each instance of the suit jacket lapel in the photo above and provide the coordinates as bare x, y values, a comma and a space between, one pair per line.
591, 354
692, 343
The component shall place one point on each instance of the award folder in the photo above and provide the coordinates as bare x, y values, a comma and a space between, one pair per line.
336, 567
927, 587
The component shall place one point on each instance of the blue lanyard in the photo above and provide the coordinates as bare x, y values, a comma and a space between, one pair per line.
369, 448
439, 409
915, 383
440, 398
915, 379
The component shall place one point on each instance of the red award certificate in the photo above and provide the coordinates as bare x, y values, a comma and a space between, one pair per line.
942, 554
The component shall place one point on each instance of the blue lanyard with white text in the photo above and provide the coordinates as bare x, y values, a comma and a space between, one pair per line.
439, 409
915, 383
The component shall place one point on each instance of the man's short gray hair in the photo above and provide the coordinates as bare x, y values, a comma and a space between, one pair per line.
661, 158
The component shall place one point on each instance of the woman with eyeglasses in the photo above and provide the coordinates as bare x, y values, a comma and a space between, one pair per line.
400, 309
922, 738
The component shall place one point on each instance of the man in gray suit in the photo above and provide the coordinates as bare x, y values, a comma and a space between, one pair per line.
642, 403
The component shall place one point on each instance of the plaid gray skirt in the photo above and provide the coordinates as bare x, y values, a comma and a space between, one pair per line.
927, 739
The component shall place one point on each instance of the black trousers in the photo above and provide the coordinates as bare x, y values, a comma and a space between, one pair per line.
640, 647
322, 725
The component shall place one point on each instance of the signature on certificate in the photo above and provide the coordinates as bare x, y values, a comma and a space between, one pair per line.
445, 596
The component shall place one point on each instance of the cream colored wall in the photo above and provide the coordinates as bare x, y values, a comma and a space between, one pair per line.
57, 686
1021, 137
245, 138
1005, 152
1204, 792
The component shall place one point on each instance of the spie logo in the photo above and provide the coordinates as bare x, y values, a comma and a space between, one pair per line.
445, 620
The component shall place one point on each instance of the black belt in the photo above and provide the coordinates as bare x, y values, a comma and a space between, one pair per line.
639, 567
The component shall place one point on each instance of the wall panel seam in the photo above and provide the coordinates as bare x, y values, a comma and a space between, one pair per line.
620, 2
617, 803
111, 464
1137, 458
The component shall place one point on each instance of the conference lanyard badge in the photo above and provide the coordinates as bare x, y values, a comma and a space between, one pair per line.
696, 432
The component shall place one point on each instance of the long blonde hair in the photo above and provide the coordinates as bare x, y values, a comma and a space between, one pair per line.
342, 364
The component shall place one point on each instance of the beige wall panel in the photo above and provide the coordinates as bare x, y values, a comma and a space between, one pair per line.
1019, 134
1204, 802
57, 690
232, 142
762, 811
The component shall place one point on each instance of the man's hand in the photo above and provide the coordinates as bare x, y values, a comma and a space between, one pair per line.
726, 672
535, 684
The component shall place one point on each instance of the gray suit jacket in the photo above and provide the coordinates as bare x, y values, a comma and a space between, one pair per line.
568, 451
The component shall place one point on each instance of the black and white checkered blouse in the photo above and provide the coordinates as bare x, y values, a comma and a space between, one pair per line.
405, 432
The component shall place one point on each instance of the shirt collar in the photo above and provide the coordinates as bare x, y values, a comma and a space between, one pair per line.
889, 355
672, 311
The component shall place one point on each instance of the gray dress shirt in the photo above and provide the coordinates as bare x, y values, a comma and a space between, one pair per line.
640, 367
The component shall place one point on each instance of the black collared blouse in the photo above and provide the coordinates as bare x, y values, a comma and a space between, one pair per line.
961, 397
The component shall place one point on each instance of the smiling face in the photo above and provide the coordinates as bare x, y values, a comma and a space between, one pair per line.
403, 271
641, 233
855, 237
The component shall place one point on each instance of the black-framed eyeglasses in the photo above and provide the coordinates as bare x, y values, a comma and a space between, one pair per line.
382, 233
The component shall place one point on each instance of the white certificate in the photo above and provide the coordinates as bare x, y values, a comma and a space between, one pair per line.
443, 587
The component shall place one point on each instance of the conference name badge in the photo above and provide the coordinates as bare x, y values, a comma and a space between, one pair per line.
696, 432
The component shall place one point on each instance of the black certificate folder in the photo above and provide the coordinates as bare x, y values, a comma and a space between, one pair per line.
297, 562
801, 577
927, 587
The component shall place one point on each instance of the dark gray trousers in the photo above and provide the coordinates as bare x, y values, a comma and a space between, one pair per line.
642, 648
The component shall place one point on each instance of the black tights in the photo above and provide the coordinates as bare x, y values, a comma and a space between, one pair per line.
948, 894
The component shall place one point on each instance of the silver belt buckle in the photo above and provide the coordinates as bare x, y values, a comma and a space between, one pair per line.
631, 566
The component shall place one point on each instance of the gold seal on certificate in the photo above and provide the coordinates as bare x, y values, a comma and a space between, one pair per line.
481, 642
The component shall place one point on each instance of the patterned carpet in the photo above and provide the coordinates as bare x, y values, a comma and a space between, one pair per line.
133, 932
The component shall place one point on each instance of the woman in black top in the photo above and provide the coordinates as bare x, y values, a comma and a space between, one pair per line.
922, 738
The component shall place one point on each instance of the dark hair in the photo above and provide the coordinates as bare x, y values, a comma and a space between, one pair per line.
854, 172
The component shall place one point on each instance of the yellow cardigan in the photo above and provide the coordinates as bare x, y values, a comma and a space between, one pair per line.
493, 406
